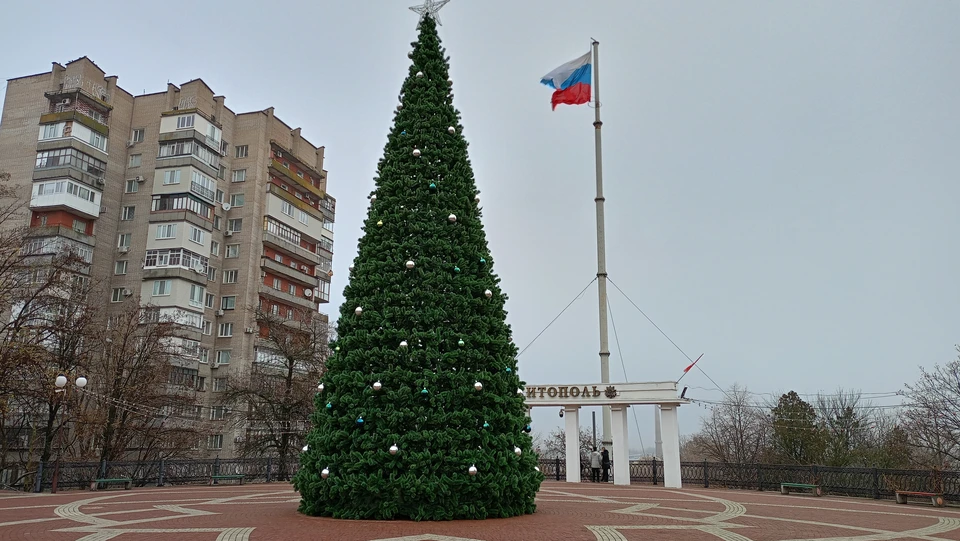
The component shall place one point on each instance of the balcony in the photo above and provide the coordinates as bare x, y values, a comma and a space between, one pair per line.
61, 231
181, 216
203, 192
157, 273
77, 116
286, 298
278, 168
65, 201
288, 272
289, 248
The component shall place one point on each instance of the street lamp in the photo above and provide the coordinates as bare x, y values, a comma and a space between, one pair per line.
61, 391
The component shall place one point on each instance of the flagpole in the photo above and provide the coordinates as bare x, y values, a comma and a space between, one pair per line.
601, 251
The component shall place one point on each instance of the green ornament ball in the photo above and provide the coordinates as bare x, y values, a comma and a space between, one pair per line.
424, 392
486, 425
433, 186
509, 370
360, 420
456, 269
460, 343
527, 429
329, 405
483, 261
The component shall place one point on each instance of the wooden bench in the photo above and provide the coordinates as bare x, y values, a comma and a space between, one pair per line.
814, 489
215, 478
936, 499
127, 482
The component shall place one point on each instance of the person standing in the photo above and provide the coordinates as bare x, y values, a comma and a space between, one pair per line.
605, 463
595, 465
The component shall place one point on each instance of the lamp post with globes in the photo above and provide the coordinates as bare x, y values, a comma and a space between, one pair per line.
61, 393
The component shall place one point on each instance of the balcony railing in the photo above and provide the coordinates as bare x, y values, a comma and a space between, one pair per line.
201, 190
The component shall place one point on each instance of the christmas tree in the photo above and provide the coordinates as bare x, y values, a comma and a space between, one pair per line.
421, 414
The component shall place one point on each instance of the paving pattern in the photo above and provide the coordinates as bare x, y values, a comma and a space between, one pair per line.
565, 512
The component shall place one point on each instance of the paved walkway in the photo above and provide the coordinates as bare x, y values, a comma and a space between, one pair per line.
566, 512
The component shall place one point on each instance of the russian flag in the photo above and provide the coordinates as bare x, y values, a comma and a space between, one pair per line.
571, 82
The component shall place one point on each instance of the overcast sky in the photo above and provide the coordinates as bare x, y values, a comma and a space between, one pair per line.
781, 177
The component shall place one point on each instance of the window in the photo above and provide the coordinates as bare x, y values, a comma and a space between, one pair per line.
217, 222
120, 268
202, 184
176, 257
123, 240
300, 174
52, 131
185, 148
223, 170
217, 413
207, 327
171, 177
242, 151
117, 295
286, 208
214, 248
223, 148
225, 330
79, 226
212, 274
70, 157
228, 303
277, 284
98, 141
328, 225
204, 356
219, 196
219, 384
166, 231
233, 250
196, 295
275, 309
185, 121
240, 175
187, 202
236, 200
230, 276
196, 235
208, 300
161, 288
132, 186
215, 441
127, 213
304, 219
291, 289
235, 224
278, 258
136, 160
137, 136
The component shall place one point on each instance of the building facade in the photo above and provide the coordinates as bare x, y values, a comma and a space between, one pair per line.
203, 213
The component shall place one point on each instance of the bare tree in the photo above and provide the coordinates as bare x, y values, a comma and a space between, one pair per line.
846, 420
933, 416
555, 444
737, 430
273, 401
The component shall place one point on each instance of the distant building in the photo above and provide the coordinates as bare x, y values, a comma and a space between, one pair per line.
202, 212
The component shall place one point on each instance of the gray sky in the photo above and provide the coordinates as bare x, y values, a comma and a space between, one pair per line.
781, 178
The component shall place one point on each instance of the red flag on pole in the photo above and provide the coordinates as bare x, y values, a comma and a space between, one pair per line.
687, 369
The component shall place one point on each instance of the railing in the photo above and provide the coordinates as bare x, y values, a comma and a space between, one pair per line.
202, 191
78, 475
875, 483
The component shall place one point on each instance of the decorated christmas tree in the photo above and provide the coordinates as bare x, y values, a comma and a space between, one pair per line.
420, 414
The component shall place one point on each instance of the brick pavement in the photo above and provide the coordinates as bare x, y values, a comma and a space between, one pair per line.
566, 512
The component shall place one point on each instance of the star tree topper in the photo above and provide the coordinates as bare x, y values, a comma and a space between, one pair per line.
431, 8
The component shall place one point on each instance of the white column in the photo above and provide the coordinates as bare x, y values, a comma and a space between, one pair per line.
571, 414
671, 446
621, 446
658, 437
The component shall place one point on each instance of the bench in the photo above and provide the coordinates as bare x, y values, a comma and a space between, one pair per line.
215, 478
815, 489
127, 482
936, 499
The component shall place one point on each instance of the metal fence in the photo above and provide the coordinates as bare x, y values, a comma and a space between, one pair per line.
875, 483
79, 475
860, 482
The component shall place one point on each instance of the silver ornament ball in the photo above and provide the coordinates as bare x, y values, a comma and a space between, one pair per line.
416, 152
520, 392
320, 388
478, 386
358, 311
476, 198
377, 386
419, 74
373, 198
452, 218
403, 344
536, 468
472, 470
411, 264
351, 267
394, 449
410, 54
452, 130
325, 473
488, 293
517, 451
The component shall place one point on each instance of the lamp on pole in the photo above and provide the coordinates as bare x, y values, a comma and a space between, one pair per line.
61, 393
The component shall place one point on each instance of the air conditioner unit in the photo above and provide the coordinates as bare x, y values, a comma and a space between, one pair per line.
99, 182
215, 364
131, 143
123, 249
66, 101
279, 154
304, 268
219, 313
308, 293
248, 330
141, 178
228, 233
127, 292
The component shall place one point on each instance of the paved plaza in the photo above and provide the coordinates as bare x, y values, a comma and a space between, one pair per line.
566, 512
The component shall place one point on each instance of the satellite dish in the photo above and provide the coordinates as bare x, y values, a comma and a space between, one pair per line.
226, 206
307, 293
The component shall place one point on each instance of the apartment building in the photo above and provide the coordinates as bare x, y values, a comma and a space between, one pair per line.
202, 212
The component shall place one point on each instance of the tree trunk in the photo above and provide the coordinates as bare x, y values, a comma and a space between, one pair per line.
49, 433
